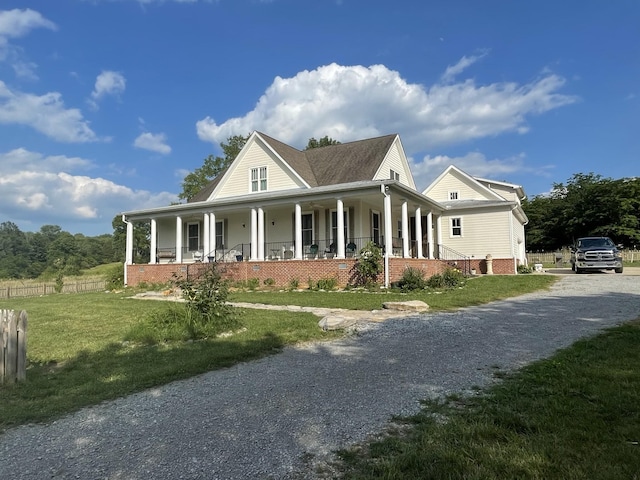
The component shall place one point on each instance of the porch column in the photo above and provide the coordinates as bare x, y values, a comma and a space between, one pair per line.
129, 244
438, 234
405, 229
388, 232
153, 257
430, 235
260, 233
254, 234
418, 219
205, 237
178, 239
340, 228
298, 230
212, 234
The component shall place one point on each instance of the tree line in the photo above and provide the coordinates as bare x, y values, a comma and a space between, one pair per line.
585, 205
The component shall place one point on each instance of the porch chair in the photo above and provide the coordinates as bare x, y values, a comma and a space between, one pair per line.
312, 253
350, 251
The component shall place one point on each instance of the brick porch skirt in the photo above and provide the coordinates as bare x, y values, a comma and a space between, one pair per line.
282, 272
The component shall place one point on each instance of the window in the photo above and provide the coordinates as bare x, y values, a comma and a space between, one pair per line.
453, 195
259, 179
334, 225
375, 227
456, 227
393, 175
307, 229
219, 235
193, 236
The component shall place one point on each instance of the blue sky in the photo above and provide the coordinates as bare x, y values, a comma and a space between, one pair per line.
105, 105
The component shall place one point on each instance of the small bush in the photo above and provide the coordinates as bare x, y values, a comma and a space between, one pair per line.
293, 284
253, 283
115, 277
269, 282
412, 279
450, 278
327, 283
525, 269
369, 264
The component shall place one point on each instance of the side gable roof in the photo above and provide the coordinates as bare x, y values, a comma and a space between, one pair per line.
452, 168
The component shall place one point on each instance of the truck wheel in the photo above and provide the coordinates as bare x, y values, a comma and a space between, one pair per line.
619, 270
578, 270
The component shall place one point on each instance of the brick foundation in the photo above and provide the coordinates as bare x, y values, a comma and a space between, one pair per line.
284, 271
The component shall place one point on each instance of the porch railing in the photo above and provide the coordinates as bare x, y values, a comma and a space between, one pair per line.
455, 259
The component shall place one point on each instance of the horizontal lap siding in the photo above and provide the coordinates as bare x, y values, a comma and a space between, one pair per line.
482, 234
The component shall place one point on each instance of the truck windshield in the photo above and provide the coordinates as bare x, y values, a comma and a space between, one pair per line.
595, 243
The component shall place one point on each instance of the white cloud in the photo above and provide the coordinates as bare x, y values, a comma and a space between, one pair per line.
453, 70
46, 114
476, 164
350, 103
37, 189
154, 142
107, 83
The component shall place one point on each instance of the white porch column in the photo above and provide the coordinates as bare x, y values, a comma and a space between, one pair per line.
340, 228
129, 244
298, 230
418, 217
178, 239
260, 233
388, 234
405, 230
254, 234
206, 231
153, 257
438, 234
430, 235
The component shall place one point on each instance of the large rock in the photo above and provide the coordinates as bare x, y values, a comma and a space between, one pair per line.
409, 306
336, 322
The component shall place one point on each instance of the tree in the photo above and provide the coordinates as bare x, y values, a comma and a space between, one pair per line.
323, 142
141, 240
212, 166
14, 251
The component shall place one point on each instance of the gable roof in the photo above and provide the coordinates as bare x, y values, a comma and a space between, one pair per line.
323, 166
452, 168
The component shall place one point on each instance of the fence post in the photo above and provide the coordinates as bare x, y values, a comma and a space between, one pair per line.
13, 351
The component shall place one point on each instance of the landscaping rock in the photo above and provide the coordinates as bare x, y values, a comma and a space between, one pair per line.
336, 322
409, 306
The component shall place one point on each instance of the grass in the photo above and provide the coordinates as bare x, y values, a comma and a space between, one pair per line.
78, 357
78, 354
476, 291
572, 416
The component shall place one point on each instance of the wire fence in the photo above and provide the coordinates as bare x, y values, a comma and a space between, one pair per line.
552, 257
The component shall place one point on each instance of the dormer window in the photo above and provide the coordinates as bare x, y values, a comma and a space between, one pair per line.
454, 195
259, 179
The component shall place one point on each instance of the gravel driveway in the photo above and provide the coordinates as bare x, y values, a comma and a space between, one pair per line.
274, 417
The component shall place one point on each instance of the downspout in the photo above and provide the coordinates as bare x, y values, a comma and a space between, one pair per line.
514, 255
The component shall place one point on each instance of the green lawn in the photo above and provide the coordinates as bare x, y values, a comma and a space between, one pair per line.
572, 416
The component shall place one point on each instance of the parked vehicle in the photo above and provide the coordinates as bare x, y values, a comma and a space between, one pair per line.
595, 253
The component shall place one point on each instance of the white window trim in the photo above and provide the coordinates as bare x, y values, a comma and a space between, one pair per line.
455, 193
259, 179
313, 225
346, 224
380, 229
451, 227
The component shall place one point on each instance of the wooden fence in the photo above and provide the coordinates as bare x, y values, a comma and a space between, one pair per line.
13, 346
38, 289
550, 257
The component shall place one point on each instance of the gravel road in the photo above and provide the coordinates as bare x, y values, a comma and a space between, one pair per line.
274, 417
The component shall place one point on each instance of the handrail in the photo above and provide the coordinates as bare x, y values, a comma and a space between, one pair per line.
450, 255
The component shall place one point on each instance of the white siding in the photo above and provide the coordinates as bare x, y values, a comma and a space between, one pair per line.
256, 155
505, 192
453, 182
396, 161
483, 232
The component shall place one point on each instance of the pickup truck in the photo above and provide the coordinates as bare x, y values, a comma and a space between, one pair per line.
595, 253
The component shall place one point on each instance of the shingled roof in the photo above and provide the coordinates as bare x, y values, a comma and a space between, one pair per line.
324, 166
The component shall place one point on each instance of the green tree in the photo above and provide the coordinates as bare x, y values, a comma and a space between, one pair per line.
212, 166
323, 142
14, 251
141, 240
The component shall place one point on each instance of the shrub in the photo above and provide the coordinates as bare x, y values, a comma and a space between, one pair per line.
293, 284
253, 283
450, 278
412, 279
115, 277
369, 264
269, 282
525, 269
327, 283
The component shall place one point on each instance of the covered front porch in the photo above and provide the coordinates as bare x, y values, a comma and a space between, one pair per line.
298, 226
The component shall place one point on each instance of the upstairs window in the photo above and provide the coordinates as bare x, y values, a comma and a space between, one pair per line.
454, 195
456, 227
259, 179
393, 175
